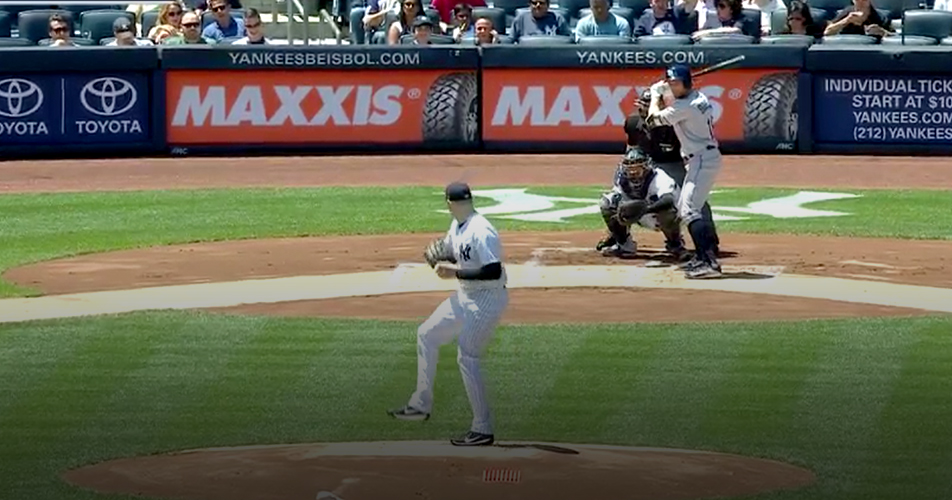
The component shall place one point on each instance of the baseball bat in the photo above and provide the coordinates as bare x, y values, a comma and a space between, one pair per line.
720, 65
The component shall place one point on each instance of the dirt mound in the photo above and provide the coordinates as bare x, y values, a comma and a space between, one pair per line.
436, 470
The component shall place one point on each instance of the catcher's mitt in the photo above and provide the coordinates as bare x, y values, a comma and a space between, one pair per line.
437, 251
630, 211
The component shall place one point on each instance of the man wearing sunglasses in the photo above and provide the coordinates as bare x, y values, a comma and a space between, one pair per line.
254, 29
225, 26
191, 33
539, 21
60, 35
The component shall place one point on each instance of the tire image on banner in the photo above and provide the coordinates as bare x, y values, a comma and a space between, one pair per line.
771, 109
451, 110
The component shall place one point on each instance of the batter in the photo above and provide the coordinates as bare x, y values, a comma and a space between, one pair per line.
471, 253
692, 117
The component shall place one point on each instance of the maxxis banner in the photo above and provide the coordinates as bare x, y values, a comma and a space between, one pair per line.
755, 109
401, 107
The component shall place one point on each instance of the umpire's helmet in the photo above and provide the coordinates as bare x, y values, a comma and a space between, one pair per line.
679, 72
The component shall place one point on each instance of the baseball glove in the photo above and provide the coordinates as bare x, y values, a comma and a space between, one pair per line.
630, 211
437, 251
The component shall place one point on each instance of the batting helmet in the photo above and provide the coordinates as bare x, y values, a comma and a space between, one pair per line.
679, 72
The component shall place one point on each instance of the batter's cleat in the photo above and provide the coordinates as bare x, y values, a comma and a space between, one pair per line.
408, 413
678, 252
691, 264
626, 250
474, 439
705, 271
605, 243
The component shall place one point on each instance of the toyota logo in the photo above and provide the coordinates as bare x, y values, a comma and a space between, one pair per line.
108, 96
19, 98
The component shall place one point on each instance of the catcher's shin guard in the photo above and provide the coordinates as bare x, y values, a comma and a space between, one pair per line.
670, 226
618, 231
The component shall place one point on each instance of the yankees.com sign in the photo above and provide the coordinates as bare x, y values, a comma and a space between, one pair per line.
322, 107
73, 109
590, 105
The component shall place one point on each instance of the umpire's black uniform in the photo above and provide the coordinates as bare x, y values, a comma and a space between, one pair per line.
662, 146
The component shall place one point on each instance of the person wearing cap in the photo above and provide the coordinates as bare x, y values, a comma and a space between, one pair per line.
125, 35
422, 29
692, 116
470, 253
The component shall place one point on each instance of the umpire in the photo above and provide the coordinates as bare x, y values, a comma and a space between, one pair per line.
662, 146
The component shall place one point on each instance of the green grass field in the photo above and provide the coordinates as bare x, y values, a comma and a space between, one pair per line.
863, 403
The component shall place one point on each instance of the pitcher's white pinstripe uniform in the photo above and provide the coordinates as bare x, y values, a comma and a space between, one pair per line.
471, 313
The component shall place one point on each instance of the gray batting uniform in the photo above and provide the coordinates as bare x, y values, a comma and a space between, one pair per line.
693, 120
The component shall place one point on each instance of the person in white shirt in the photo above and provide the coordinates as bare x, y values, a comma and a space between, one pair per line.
474, 254
255, 33
766, 8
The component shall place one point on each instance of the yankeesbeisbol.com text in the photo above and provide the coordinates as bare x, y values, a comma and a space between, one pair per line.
307, 59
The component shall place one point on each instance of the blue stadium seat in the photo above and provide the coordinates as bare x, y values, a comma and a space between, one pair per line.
909, 40
849, 40
637, 6
35, 24
604, 40
15, 42
788, 40
436, 39
147, 21
510, 6
97, 24
726, 39
754, 22
545, 40
6, 24
83, 42
932, 23
571, 7
664, 40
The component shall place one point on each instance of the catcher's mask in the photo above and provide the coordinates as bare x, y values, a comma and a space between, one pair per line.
635, 165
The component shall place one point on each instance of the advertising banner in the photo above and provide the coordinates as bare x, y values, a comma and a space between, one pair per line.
900, 109
590, 105
321, 107
75, 109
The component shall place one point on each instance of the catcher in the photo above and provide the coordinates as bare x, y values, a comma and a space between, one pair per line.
640, 195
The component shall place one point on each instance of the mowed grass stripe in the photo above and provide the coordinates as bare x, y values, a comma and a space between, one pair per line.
526, 360
912, 443
753, 408
50, 429
583, 403
663, 408
844, 397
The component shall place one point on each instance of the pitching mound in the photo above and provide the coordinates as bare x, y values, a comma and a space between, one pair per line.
417, 470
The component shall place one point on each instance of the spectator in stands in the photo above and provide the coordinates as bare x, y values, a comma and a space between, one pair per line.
800, 21
60, 35
463, 19
859, 19
485, 33
411, 10
203, 6
701, 11
191, 32
766, 8
169, 22
539, 21
602, 22
254, 29
225, 25
447, 9
660, 19
422, 29
376, 15
730, 19
125, 35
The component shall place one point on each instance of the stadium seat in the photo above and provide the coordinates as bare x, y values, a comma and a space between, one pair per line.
894, 8
434, 16
208, 17
909, 40
571, 7
97, 24
946, 41
510, 6
754, 22
15, 42
663, 40
637, 6
497, 15
147, 21
83, 42
34, 25
849, 40
624, 12
604, 40
787, 40
726, 39
6, 24
545, 40
932, 23
830, 7
436, 39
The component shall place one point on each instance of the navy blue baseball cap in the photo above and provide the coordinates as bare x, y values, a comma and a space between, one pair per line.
679, 72
458, 191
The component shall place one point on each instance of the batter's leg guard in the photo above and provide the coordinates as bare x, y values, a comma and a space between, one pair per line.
702, 234
709, 218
